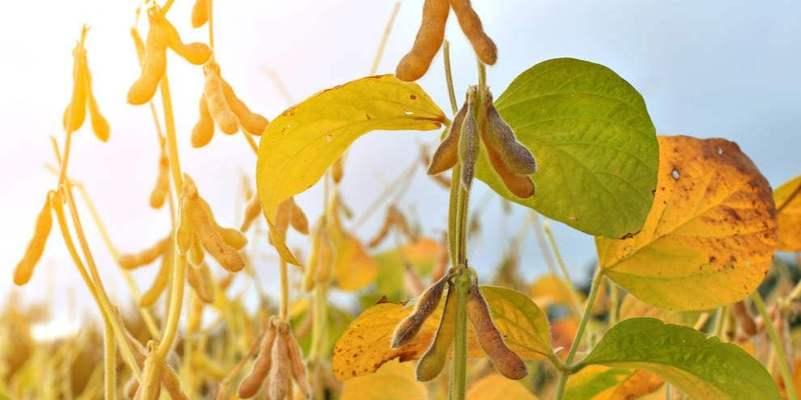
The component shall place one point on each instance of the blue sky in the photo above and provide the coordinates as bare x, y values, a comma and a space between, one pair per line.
706, 68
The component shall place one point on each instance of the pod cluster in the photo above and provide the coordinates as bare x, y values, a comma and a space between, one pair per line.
198, 232
153, 55
505, 361
279, 360
432, 32
478, 126
83, 96
220, 106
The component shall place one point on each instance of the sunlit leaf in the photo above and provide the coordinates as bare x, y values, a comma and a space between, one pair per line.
393, 381
598, 382
497, 387
789, 218
711, 233
703, 368
301, 143
631, 307
365, 345
594, 143
353, 267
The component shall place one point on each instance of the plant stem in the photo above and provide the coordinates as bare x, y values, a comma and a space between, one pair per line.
211, 23
109, 362
459, 377
284, 301
178, 279
778, 346
585, 318
446, 53
546, 228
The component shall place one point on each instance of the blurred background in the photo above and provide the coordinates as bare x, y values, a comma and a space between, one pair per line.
716, 68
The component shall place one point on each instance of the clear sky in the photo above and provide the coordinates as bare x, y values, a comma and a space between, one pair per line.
727, 68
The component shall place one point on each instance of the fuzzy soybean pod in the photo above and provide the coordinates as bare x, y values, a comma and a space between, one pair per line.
200, 279
507, 362
447, 153
75, 113
218, 107
251, 122
469, 142
280, 370
154, 64
501, 138
196, 255
222, 243
297, 365
251, 383
471, 25
160, 282
426, 304
203, 130
100, 125
200, 13
432, 362
520, 185
194, 53
428, 41
162, 187
44, 222
146, 256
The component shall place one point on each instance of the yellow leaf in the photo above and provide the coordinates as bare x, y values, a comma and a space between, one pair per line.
789, 215
550, 289
598, 382
710, 235
497, 387
365, 345
393, 381
301, 143
353, 267
631, 307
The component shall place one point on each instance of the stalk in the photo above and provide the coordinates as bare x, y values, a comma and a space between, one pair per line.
778, 346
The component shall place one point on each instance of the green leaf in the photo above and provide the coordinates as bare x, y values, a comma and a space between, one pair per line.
594, 380
301, 143
701, 367
594, 143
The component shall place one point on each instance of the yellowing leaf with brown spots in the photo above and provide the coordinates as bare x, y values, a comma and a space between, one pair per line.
301, 143
365, 345
393, 381
710, 235
497, 387
788, 208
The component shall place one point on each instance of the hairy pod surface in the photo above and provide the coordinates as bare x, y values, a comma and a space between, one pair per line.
428, 302
218, 107
297, 364
505, 361
447, 153
280, 370
471, 25
251, 122
33, 253
433, 361
469, 142
252, 382
501, 138
428, 41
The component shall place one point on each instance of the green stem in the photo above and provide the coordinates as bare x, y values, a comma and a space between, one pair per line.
459, 377
585, 318
778, 346
546, 228
446, 55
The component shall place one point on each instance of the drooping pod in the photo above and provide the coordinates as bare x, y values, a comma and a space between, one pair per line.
337, 169
426, 304
203, 130
172, 384
471, 25
280, 370
153, 293
218, 107
162, 187
75, 113
297, 365
251, 383
200, 279
146, 256
252, 211
200, 13
447, 153
100, 125
251, 122
195, 53
44, 223
428, 41
432, 362
501, 138
154, 63
469, 142
507, 362
393, 219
